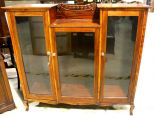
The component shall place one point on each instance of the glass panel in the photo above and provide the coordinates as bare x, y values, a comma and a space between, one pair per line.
32, 45
76, 63
121, 36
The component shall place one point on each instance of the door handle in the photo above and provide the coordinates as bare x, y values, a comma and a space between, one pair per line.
53, 54
102, 54
49, 54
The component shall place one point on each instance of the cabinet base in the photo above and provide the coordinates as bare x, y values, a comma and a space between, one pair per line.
104, 106
131, 109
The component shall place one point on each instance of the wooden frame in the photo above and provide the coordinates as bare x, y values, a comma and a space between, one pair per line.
73, 25
6, 99
48, 12
70, 100
142, 15
12, 25
4, 32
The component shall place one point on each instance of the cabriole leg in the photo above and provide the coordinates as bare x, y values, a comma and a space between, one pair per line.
131, 109
26, 105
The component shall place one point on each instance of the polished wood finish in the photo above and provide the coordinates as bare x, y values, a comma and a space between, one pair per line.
15, 40
5, 40
152, 5
30, 7
4, 32
6, 100
76, 23
124, 10
68, 11
53, 23
124, 6
137, 57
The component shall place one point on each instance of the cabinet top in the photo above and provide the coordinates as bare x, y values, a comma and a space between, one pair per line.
26, 7
42, 7
121, 5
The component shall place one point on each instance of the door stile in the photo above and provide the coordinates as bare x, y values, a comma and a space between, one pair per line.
103, 35
17, 52
142, 18
46, 21
55, 64
96, 65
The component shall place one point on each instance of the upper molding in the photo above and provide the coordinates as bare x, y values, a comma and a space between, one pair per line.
29, 7
121, 5
44, 7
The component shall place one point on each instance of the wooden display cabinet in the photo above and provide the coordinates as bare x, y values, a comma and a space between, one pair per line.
55, 68
6, 100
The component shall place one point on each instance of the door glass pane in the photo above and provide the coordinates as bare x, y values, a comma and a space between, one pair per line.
32, 45
121, 37
76, 63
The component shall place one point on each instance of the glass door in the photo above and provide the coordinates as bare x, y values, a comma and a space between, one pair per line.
76, 58
118, 56
36, 62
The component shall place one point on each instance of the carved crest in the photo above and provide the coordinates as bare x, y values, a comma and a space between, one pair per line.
76, 11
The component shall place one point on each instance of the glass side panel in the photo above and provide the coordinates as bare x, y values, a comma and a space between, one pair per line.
32, 45
76, 64
121, 37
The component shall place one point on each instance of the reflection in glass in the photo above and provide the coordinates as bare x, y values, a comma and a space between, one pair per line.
121, 38
32, 45
76, 63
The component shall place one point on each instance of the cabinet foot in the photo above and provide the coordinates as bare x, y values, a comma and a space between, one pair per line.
131, 109
26, 105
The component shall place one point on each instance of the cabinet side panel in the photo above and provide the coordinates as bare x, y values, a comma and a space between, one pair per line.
137, 54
